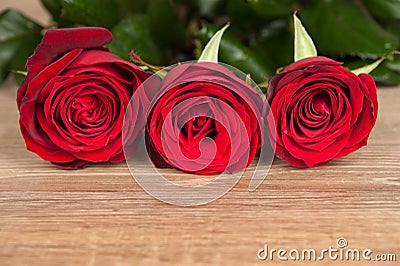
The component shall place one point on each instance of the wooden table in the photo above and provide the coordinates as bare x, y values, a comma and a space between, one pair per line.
101, 216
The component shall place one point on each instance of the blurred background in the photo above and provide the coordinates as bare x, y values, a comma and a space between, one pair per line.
259, 40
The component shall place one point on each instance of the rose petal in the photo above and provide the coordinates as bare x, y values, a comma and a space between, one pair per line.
59, 41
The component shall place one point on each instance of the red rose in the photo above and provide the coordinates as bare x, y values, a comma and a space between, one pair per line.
205, 120
322, 111
73, 99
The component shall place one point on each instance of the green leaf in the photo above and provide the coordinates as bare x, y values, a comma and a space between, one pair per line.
273, 8
165, 25
102, 13
134, 34
210, 52
387, 73
18, 37
239, 12
393, 63
210, 8
250, 15
54, 7
303, 44
129, 7
368, 68
274, 44
234, 53
385, 76
383, 9
25, 49
393, 27
340, 27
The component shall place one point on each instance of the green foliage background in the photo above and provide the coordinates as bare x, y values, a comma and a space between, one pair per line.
259, 41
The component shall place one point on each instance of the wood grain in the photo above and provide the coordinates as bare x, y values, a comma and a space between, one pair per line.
100, 216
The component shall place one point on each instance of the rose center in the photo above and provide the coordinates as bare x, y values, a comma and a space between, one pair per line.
199, 127
87, 110
199, 121
321, 104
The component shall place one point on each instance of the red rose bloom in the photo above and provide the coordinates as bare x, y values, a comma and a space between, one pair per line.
73, 99
205, 120
322, 111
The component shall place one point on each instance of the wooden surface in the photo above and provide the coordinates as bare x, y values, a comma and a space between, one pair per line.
100, 216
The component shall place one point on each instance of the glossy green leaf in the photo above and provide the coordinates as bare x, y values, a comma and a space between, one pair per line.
103, 13
273, 8
393, 63
386, 76
165, 25
234, 53
387, 73
238, 12
340, 27
129, 7
383, 9
210, 52
54, 7
274, 45
18, 37
25, 49
210, 8
391, 67
303, 44
368, 68
393, 27
134, 34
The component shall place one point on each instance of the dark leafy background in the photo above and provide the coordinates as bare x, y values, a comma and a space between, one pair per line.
259, 41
